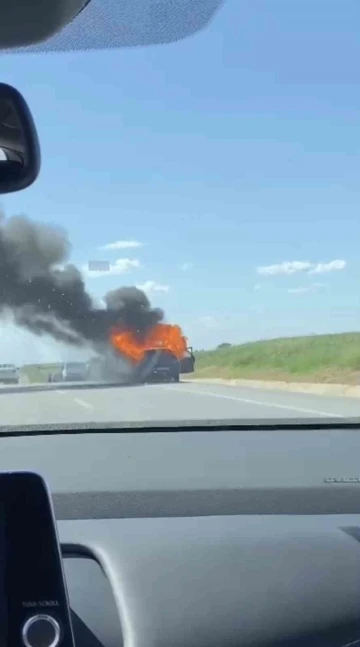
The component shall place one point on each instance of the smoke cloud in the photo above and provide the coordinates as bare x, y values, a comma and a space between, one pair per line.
47, 295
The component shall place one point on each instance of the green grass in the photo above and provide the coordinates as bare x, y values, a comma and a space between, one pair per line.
319, 358
38, 372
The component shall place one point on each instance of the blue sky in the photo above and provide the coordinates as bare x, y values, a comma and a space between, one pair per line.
233, 150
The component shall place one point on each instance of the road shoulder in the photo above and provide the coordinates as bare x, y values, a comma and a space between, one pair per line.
343, 390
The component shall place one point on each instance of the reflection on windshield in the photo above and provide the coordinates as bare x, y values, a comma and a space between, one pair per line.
189, 250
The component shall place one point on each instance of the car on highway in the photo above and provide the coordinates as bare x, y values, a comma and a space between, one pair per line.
9, 374
74, 372
165, 367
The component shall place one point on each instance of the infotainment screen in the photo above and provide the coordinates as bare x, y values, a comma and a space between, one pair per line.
34, 609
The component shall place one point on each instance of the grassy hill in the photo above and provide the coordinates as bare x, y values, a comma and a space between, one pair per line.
319, 358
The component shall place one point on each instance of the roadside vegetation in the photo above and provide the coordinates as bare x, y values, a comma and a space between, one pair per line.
319, 358
35, 373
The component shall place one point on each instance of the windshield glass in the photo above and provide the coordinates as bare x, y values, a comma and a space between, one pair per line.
189, 250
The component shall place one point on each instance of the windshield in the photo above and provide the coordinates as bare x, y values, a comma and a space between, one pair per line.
189, 251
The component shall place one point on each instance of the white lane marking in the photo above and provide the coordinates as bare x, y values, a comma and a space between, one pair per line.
59, 392
180, 389
84, 404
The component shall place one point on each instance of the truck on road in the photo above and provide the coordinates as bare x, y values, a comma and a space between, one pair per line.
161, 365
157, 365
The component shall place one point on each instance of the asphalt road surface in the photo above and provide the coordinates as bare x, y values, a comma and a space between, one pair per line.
84, 403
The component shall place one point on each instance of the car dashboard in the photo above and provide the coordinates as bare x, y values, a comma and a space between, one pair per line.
205, 538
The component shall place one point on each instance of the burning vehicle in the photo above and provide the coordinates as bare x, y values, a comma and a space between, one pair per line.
160, 356
47, 295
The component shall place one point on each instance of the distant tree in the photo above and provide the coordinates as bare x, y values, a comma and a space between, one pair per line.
225, 344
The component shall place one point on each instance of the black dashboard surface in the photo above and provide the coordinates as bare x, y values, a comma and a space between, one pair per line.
237, 538
189, 473
226, 580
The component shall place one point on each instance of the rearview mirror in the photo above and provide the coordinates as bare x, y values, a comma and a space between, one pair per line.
19, 144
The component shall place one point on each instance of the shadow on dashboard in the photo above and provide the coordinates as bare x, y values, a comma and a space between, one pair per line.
346, 635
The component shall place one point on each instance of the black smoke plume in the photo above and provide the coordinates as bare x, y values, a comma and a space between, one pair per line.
48, 296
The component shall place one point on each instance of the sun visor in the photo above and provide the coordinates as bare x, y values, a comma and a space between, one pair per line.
65, 25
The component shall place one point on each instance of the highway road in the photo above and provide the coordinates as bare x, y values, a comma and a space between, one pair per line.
84, 403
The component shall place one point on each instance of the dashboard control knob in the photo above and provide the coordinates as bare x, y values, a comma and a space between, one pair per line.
41, 631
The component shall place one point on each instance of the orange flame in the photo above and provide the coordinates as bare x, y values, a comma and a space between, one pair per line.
161, 337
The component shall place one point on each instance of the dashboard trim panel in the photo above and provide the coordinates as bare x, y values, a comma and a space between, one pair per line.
208, 580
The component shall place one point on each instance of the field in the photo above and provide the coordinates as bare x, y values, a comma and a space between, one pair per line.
320, 358
38, 372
